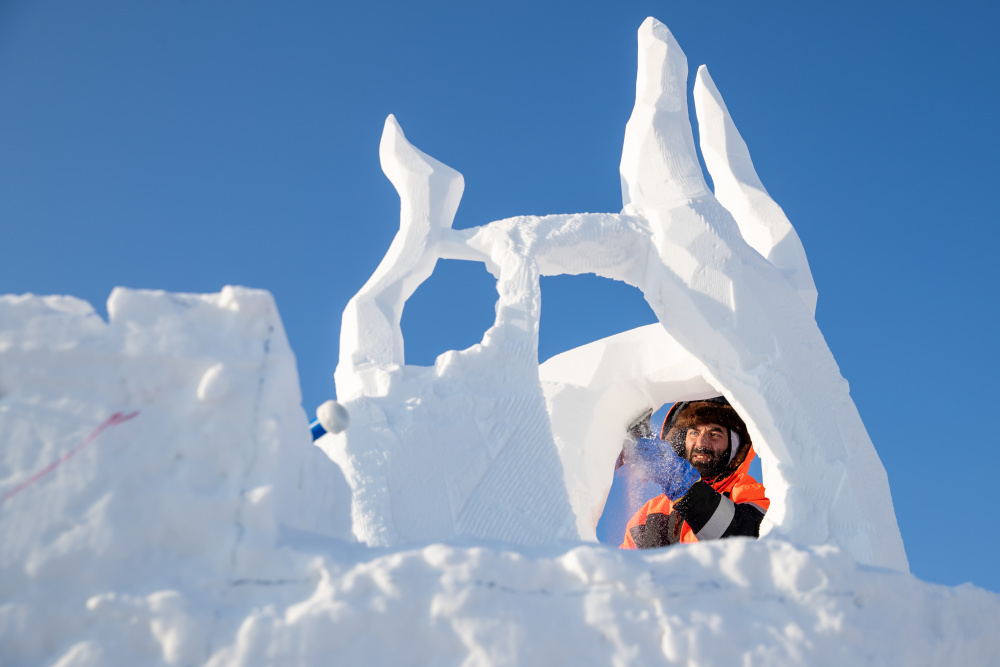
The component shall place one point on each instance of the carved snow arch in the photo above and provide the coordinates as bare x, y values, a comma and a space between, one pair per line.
474, 445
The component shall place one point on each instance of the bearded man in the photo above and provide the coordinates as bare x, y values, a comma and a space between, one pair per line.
701, 460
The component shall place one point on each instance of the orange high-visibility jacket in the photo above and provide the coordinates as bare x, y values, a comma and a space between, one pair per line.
739, 487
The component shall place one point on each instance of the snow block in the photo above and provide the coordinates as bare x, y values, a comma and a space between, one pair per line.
164, 450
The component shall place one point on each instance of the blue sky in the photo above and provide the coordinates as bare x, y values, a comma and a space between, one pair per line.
188, 145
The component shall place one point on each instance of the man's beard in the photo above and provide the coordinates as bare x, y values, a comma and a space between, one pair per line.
711, 468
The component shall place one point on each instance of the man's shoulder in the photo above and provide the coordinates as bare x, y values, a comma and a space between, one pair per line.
741, 478
741, 487
657, 505
736, 478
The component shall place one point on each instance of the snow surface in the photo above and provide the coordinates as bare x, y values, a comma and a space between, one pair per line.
162, 502
207, 529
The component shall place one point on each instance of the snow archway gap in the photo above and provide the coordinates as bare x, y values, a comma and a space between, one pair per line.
487, 444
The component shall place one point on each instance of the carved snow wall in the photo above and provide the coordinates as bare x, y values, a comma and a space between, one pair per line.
488, 445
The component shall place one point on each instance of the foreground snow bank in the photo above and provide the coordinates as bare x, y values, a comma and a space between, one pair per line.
738, 602
163, 504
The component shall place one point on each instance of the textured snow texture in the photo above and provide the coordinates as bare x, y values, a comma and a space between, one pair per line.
190, 494
207, 529
738, 602
470, 446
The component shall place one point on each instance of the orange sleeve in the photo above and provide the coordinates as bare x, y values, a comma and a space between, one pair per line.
749, 490
660, 504
628, 542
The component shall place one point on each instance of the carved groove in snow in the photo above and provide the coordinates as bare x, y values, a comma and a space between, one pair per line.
477, 444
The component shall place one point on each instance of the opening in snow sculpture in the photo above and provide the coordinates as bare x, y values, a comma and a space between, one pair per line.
487, 444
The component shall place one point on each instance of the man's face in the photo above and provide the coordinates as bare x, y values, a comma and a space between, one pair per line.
705, 446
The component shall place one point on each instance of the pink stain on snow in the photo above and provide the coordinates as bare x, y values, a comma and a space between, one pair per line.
113, 420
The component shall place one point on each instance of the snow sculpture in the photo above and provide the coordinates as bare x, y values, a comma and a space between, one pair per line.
464, 447
190, 461
194, 526
486, 444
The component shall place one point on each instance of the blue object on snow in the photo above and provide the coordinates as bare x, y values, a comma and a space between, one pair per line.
658, 462
317, 429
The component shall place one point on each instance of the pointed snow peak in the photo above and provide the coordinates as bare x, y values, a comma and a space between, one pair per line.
429, 185
719, 133
659, 166
663, 68
739, 189
429, 194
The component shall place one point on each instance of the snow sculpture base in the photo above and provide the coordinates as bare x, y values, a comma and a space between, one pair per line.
485, 444
170, 513
737, 602
205, 529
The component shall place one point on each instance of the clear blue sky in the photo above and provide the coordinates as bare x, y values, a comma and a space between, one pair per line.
186, 145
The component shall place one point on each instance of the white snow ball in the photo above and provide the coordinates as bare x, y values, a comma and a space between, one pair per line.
333, 416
